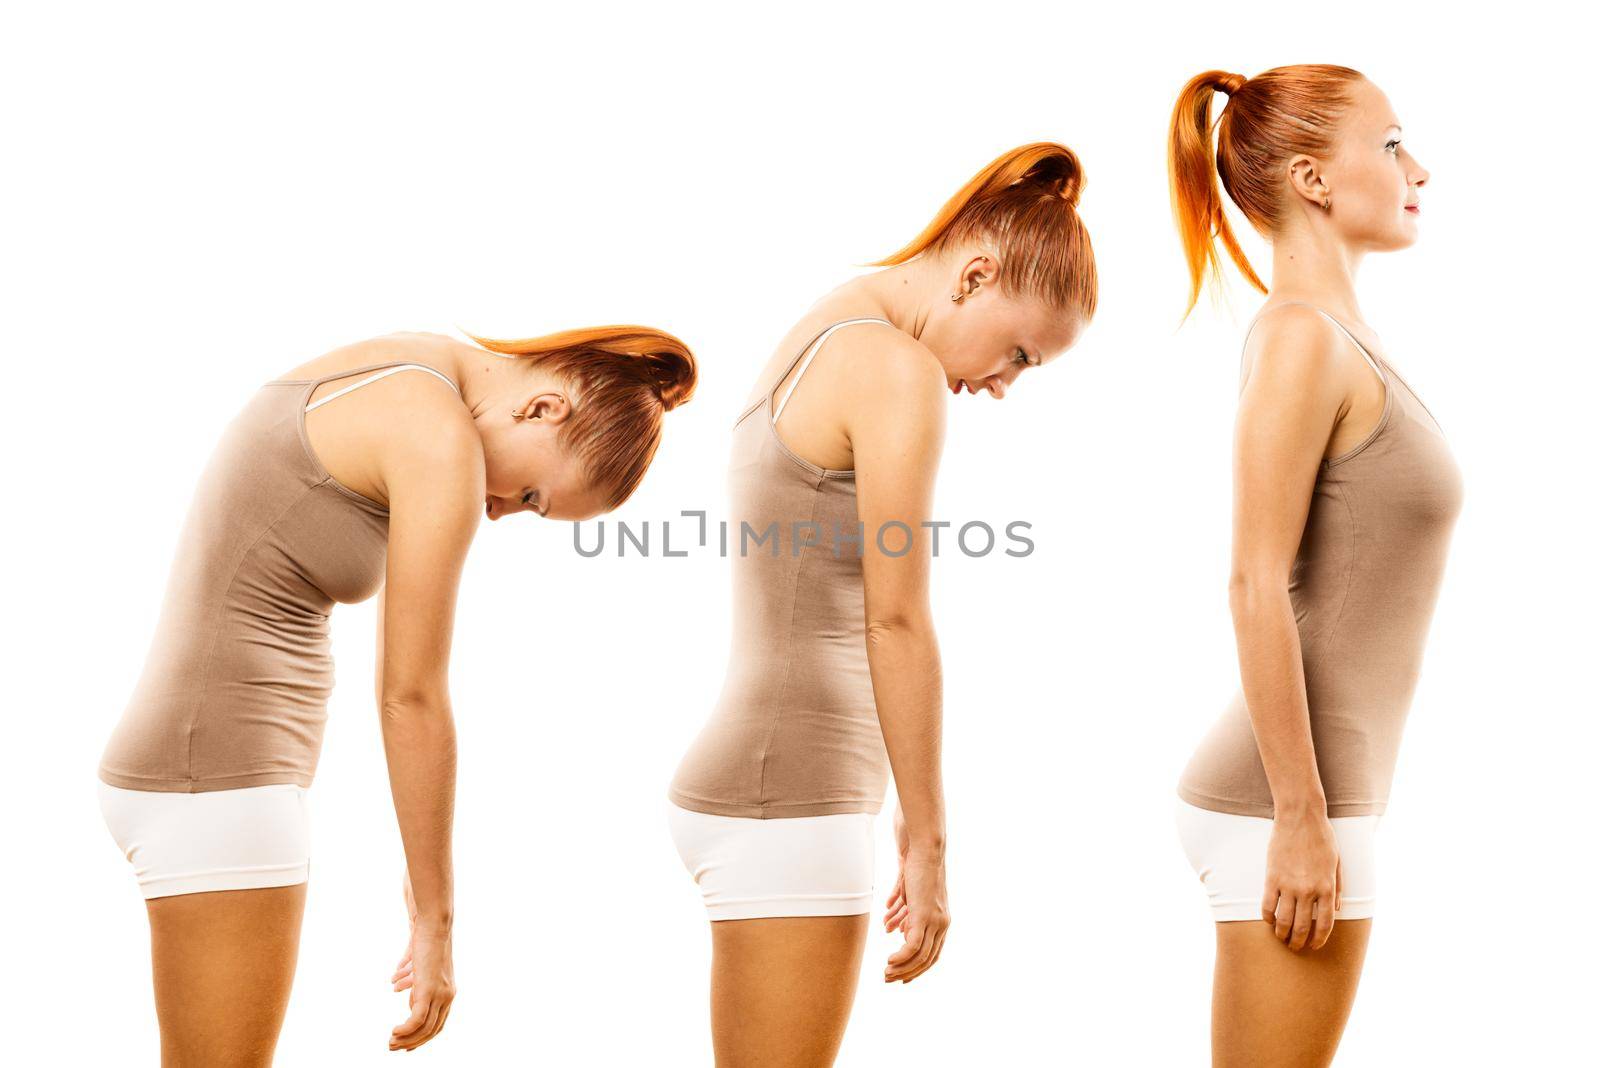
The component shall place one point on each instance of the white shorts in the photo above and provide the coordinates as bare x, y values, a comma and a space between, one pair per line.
1229, 853
238, 839
801, 866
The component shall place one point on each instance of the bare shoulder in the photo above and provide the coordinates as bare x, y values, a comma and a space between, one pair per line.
435, 426
1295, 347
890, 368
430, 444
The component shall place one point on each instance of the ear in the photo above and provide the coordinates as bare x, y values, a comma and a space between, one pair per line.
981, 271
1306, 180
550, 407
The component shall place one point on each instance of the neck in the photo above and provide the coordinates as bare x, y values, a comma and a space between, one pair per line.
1311, 264
487, 378
904, 294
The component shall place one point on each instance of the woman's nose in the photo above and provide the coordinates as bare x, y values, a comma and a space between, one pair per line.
1419, 173
495, 507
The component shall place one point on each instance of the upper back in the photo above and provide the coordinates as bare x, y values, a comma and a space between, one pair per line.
822, 375
403, 346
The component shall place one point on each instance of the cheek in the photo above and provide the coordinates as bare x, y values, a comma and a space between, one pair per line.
1380, 201
948, 335
494, 484
1391, 184
1397, 184
494, 470
981, 354
506, 465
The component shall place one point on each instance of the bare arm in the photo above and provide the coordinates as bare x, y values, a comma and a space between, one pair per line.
434, 482
896, 428
377, 653
1292, 396
895, 421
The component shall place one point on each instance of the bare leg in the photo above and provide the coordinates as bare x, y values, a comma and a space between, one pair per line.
781, 989
1273, 1006
223, 963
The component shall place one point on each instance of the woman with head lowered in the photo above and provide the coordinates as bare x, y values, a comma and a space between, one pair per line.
365, 470
834, 676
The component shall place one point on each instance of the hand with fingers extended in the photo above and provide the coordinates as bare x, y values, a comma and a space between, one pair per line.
427, 971
917, 907
401, 979
1305, 878
894, 915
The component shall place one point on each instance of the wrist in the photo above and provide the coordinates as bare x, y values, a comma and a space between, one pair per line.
1300, 807
433, 921
926, 843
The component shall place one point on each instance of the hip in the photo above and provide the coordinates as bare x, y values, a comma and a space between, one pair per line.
753, 868
1228, 853
235, 839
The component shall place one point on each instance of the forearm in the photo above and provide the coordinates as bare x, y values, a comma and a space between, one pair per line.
1273, 677
419, 741
907, 681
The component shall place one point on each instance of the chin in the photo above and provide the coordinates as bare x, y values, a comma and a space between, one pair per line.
1402, 236
1406, 238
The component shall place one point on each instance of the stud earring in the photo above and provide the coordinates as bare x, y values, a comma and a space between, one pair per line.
1327, 204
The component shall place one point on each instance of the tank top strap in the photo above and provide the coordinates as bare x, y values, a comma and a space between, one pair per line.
383, 370
1369, 357
806, 354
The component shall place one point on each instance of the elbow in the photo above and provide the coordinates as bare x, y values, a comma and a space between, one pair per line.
892, 627
1249, 589
414, 707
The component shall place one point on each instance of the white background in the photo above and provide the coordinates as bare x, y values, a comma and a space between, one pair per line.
199, 198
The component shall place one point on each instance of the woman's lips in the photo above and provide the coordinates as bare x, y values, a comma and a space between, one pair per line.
1415, 209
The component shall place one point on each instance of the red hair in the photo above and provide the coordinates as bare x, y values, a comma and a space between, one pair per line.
1026, 202
626, 378
1277, 114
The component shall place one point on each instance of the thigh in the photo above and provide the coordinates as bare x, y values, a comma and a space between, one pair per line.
788, 900
223, 963
782, 988
224, 875
1271, 1005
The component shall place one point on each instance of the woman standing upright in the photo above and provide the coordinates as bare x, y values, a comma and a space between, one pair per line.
834, 674
325, 490
1345, 496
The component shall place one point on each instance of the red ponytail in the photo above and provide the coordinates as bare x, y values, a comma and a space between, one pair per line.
1280, 113
1026, 203
625, 378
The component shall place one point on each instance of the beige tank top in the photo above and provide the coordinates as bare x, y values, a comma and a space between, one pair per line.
1363, 585
795, 730
235, 686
